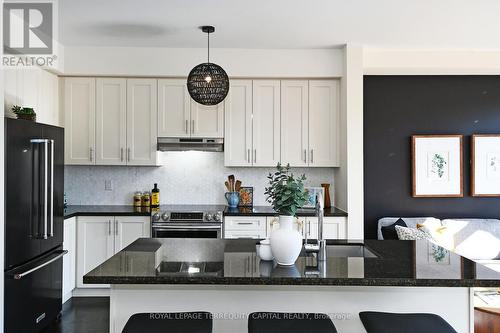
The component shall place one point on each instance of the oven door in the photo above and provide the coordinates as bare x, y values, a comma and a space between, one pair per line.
177, 230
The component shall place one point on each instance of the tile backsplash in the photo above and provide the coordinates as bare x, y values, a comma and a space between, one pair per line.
183, 178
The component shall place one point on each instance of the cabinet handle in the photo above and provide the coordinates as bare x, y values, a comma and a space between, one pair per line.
312, 156
186, 126
244, 223
248, 156
305, 155
109, 227
121, 154
91, 153
255, 155
192, 126
128, 154
116, 227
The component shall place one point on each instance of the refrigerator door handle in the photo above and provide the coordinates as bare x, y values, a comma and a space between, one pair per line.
51, 234
45, 180
18, 276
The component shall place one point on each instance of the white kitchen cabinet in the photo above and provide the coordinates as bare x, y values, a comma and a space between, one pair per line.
174, 108
95, 244
128, 228
238, 145
266, 123
79, 129
111, 121
273, 223
180, 116
245, 227
100, 237
142, 118
324, 106
294, 122
69, 259
333, 227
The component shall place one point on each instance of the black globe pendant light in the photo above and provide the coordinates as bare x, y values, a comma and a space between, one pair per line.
208, 83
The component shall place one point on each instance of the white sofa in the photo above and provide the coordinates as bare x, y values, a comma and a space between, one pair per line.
477, 239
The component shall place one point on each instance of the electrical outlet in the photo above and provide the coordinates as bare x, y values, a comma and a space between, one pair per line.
108, 185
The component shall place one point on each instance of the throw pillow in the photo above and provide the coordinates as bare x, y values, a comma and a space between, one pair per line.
389, 232
411, 234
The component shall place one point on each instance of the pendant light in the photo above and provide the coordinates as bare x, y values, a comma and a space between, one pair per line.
208, 83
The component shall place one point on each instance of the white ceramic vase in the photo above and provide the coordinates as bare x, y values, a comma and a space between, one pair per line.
286, 243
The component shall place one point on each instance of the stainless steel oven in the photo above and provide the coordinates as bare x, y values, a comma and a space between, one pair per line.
186, 224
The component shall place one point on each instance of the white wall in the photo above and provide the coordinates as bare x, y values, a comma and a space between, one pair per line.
178, 62
184, 178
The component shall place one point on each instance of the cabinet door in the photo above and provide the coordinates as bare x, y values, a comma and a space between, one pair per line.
69, 260
111, 121
324, 104
95, 244
238, 124
174, 104
79, 116
128, 228
207, 121
333, 227
266, 123
294, 122
142, 118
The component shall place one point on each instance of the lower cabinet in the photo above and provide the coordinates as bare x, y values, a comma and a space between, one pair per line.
100, 237
245, 227
333, 227
69, 260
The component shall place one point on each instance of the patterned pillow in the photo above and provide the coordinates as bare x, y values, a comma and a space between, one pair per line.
411, 234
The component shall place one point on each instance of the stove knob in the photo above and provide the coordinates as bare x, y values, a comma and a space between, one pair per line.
156, 217
209, 217
165, 217
217, 217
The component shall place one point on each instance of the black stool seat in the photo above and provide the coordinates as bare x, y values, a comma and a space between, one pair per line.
278, 322
185, 322
383, 322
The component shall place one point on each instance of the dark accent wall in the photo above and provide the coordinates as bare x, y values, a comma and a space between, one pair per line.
396, 107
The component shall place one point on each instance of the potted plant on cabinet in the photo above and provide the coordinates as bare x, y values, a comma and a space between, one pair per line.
24, 113
286, 194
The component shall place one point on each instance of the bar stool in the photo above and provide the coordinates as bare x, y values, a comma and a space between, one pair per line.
185, 322
384, 322
278, 322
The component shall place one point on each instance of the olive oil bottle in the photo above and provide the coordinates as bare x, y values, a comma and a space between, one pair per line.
155, 197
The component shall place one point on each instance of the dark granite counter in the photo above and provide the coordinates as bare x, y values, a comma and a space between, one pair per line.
267, 211
234, 262
105, 210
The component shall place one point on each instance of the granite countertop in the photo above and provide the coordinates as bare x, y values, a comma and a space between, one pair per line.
349, 263
105, 210
120, 210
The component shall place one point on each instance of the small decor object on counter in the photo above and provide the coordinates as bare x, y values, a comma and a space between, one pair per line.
437, 166
155, 196
24, 113
137, 199
233, 198
311, 195
326, 192
146, 199
485, 165
286, 194
264, 250
246, 196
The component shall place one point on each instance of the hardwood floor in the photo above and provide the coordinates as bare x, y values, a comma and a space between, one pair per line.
83, 315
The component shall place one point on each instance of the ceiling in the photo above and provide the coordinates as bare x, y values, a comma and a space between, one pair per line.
282, 23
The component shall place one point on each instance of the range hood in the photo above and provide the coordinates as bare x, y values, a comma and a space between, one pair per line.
185, 144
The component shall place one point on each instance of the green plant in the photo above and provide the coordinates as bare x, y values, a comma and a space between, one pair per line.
286, 193
19, 111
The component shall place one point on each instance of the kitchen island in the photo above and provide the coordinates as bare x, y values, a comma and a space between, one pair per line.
227, 278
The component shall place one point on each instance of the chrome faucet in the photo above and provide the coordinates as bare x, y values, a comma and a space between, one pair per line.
320, 246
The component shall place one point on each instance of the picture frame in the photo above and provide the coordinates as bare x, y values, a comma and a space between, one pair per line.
246, 196
311, 193
485, 165
437, 166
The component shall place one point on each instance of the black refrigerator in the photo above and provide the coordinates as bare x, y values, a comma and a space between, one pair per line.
34, 208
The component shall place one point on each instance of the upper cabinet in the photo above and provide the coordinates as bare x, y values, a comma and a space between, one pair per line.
79, 109
294, 122
179, 116
111, 121
142, 119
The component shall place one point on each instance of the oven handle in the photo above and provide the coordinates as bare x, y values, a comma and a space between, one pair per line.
186, 227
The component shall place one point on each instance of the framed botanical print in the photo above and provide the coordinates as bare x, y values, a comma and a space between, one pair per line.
246, 197
485, 165
437, 166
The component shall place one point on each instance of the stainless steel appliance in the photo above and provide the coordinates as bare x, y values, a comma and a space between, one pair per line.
184, 144
187, 224
34, 186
